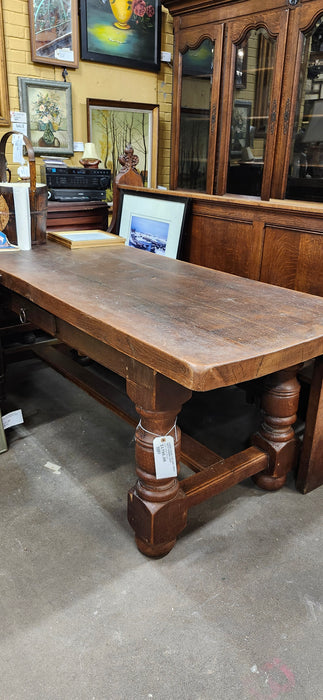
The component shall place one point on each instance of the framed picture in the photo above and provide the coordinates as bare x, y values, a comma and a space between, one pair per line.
121, 32
240, 127
54, 32
48, 105
240, 79
114, 125
151, 222
4, 95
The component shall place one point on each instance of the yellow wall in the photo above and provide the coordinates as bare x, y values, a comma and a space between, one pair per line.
94, 80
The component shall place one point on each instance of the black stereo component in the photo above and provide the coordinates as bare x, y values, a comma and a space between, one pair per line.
76, 178
75, 195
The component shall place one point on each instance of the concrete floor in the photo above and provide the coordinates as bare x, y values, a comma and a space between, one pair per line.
234, 612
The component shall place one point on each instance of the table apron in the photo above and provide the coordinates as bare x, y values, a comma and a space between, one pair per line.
83, 342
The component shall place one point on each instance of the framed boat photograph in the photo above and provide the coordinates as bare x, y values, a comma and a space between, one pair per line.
48, 105
122, 32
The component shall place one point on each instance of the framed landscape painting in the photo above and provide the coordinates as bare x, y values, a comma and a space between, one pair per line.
113, 125
121, 32
48, 105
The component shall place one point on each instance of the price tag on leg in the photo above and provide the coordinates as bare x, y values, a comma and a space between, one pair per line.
165, 458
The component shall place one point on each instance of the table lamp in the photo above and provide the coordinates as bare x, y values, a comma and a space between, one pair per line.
90, 158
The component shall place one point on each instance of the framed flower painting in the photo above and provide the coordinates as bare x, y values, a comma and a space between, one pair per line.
121, 32
48, 105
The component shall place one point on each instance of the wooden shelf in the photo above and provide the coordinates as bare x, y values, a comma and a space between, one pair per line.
77, 216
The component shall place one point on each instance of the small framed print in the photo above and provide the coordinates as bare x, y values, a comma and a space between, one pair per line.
151, 222
54, 32
48, 105
240, 126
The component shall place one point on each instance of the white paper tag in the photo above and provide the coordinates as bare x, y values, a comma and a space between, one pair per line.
18, 117
11, 419
78, 146
164, 456
23, 171
20, 126
64, 55
17, 141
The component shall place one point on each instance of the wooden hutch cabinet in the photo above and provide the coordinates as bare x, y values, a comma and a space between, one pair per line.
247, 136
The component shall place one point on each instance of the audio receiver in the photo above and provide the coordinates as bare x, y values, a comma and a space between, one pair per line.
76, 178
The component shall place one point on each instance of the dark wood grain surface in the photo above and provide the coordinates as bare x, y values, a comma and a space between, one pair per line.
199, 327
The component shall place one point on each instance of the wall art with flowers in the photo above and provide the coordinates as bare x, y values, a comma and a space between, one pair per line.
48, 105
122, 32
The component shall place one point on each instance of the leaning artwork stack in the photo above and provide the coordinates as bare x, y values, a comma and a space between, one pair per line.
23, 206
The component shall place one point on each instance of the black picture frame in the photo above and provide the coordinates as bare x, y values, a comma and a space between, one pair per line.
130, 38
240, 78
240, 127
151, 222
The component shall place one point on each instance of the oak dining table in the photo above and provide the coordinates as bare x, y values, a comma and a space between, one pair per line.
170, 328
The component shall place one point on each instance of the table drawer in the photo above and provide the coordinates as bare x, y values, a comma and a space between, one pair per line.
29, 312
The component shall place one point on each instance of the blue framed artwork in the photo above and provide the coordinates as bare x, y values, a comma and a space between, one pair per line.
121, 32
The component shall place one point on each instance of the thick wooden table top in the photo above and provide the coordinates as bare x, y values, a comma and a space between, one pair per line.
200, 327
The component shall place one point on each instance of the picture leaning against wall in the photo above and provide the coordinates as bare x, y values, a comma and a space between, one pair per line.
114, 125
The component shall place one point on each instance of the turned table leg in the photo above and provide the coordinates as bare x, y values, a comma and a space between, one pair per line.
157, 508
276, 435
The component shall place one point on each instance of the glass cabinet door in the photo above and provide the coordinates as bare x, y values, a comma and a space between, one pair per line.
196, 93
197, 70
253, 80
305, 174
255, 50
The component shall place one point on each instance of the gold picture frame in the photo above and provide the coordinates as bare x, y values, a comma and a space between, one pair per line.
4, 95
54, 37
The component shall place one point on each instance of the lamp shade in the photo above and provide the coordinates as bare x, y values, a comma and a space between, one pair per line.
90, 151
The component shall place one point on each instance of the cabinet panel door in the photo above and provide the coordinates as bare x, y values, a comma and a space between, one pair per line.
293, 259
254, 54
197, 72
299, 153
230, 245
